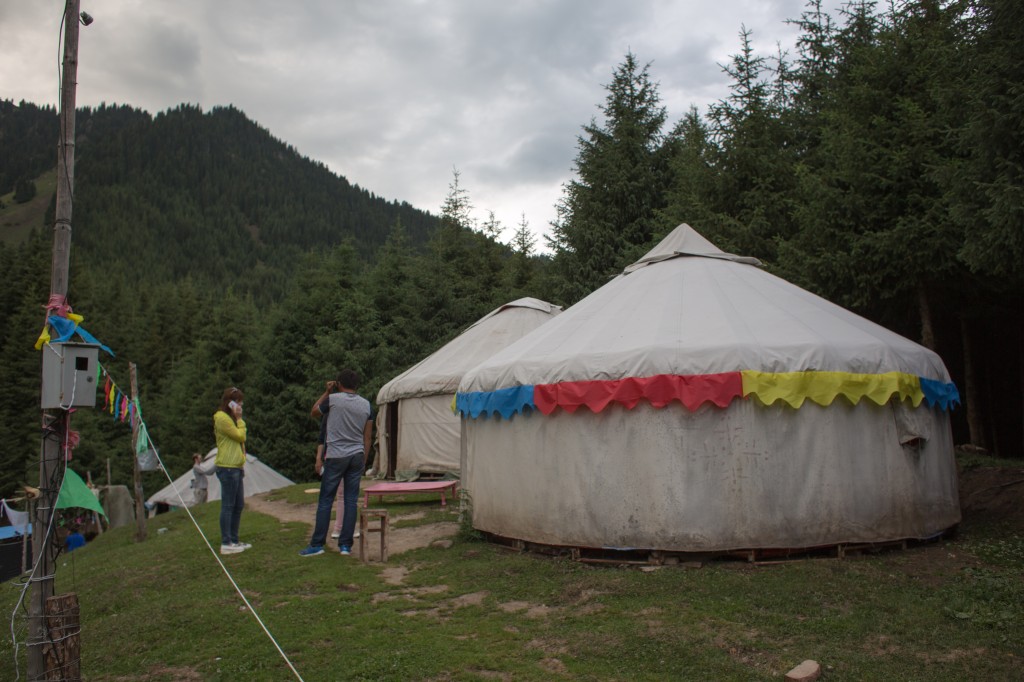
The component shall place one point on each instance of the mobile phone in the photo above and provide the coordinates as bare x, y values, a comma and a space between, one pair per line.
233, 405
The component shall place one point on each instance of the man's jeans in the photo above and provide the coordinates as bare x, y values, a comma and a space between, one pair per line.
232, 500
337, 470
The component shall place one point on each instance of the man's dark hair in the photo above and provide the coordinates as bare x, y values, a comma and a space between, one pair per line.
348, 378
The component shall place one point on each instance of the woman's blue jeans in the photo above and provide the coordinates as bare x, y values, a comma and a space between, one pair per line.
232, 501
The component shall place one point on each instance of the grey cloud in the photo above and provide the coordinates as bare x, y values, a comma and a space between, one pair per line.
153, 64
395, 93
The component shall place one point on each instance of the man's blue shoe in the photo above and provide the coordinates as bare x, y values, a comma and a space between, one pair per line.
346, 550
311, 551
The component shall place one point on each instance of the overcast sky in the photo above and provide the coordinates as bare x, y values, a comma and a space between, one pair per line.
395, 94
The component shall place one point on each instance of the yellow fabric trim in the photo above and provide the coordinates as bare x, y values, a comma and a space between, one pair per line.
823, 387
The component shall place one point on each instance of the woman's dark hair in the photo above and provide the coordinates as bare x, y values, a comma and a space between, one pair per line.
349, 378
229, 395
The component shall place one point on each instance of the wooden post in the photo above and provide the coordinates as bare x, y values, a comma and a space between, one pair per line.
51, 450
140, 505
63, 650
25, 553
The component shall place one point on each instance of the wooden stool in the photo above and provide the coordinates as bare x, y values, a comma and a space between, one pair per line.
366, 515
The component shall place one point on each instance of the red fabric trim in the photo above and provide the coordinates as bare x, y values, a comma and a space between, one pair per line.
692, 391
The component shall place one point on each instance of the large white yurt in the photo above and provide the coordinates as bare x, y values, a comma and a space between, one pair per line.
417, 430
697, 403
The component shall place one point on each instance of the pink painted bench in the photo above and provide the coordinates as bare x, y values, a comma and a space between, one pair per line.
382, 489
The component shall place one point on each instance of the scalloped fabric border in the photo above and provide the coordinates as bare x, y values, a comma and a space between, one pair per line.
794, 388
504, 401
660, 390
940, 393
721, 389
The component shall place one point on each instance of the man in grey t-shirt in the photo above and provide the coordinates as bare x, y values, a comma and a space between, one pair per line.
348, 431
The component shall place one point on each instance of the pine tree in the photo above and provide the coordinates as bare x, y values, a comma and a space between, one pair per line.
24, 191
24, 277
753, 156
291, 363
691, 198
608, 214
987, 187
520, 268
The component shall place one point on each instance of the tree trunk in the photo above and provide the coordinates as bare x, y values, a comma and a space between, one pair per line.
925, 311
971, 394
1020, 386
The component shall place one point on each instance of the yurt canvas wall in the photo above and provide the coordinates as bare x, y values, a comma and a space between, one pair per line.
417, 430
697, 403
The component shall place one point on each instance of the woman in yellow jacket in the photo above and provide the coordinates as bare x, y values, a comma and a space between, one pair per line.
229, 430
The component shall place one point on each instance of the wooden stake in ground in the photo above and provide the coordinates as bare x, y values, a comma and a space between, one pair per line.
140, 505
63, 650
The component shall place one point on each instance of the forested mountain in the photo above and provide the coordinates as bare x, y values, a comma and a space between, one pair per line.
211, 195
879, 167
27, 135
210, 254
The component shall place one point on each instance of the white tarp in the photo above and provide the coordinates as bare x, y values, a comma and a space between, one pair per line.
259, 478
441, 371
700, 315
428, 430
744, 476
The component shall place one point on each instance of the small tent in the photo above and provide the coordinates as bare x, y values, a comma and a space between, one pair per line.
259, 478
698, 403
417, 429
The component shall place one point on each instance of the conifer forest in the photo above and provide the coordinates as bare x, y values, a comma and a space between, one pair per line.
881, 165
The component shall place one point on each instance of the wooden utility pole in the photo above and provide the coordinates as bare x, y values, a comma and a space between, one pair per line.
140, 505
54, 426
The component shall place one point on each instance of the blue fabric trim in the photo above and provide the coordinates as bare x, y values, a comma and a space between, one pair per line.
940, 393
504, 401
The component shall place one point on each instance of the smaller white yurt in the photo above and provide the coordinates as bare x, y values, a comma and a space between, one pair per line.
259, 478
417, 429
698, 403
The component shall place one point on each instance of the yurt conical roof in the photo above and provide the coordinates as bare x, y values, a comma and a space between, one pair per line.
441, 372
699, 403
417, 431
687, 308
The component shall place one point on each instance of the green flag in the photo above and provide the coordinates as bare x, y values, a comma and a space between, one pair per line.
75, 493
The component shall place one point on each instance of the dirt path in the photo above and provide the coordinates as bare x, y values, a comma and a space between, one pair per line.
399, 539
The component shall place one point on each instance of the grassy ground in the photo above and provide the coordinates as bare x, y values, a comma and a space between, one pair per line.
16, 220
163, 610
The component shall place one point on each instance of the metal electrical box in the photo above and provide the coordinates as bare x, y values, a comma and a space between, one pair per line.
69, 375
